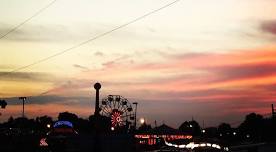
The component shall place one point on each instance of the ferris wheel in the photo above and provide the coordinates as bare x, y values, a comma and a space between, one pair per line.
118, 109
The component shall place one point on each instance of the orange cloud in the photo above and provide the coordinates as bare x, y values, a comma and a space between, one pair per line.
186, 72
246, 79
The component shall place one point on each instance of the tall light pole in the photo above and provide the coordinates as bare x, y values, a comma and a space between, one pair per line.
97, 87
23, 102
142, 121
273, 113
135, 116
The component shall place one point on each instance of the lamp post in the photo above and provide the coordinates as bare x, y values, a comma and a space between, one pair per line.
273, 113
135, 116
23, 102
142, 121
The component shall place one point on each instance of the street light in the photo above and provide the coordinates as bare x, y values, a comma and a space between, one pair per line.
23, 101
142, 120
135, 116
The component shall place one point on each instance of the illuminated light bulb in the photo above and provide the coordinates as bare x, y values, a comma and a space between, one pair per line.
142, 120
202, 145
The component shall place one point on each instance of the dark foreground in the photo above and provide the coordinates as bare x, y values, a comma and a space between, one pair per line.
104, 143
75, 144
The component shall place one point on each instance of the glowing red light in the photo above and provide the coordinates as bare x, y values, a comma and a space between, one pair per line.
116, 118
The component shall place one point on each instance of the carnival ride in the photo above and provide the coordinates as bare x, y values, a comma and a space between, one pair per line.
119, 110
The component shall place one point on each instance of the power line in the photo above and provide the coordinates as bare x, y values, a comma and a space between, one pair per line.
101, 35
28, 19
87, 41
93, 38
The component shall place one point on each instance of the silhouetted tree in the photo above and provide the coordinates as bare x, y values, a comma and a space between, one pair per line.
252, 127
225, 132
185, 127
144, 128
191, 127
225, 129
23, 123
3, 104
42, 123
10, 120
9, 123
211, 132
269, 130
67, 116
44, 120
83, 126
100, 123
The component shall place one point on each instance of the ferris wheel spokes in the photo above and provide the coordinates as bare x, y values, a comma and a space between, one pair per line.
118, 109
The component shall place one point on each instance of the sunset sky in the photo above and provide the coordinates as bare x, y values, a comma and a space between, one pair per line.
211, 60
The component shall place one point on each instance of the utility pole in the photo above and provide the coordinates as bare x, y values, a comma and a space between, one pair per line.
272, 108
135, 116
23, 102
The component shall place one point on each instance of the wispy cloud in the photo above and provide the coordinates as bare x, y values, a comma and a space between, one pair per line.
98, 53
26, 76
243, 71
52, 99
80, 67
51, 33
36, 33
269, 27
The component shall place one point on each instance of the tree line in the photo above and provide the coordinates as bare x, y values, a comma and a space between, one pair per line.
254, 128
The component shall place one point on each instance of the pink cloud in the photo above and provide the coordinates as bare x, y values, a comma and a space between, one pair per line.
269, 27
241, 82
